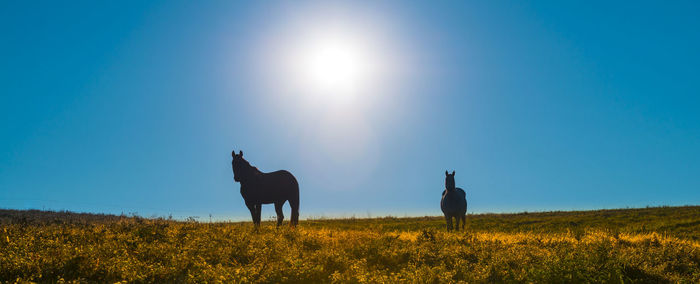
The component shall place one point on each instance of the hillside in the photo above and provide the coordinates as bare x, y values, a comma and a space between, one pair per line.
660, 244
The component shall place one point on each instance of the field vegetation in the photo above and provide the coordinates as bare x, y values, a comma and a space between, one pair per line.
653, 245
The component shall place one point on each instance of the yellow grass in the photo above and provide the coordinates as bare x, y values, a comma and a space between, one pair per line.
130, 249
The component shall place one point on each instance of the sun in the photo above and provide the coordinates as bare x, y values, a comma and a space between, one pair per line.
328, 60
334, 65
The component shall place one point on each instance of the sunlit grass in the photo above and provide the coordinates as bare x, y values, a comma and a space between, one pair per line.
654, 245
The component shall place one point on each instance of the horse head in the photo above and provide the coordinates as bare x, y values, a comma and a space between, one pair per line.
239, 165
450, 180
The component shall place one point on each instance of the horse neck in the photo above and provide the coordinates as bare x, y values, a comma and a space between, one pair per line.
251, 174
450, 188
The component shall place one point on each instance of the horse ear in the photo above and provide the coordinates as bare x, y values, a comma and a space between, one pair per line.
447, 174
453, 172
233, 153
240, 153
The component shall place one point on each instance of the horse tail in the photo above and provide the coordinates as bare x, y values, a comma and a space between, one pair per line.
294, 203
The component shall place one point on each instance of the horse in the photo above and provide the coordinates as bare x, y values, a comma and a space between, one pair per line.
258, 188
454, 202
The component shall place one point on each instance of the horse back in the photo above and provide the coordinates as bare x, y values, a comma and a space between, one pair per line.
281, 178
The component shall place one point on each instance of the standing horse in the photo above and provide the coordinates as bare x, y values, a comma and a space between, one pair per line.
454, 202
258, 188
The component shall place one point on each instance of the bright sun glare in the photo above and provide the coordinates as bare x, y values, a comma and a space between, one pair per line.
334, 65
327, 71
323, 58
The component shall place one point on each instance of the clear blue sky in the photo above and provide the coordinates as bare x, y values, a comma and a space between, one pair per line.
135, 106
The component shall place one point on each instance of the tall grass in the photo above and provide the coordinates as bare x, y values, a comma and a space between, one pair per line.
630, 245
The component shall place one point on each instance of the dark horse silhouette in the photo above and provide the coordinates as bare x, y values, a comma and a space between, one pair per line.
258, 188
454, 202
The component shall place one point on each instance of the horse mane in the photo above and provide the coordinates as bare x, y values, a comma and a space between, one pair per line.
249, 169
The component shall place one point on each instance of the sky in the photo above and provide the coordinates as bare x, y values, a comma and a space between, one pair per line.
135, 106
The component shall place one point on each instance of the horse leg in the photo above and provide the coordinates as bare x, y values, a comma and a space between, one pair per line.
448, 219
294, 204
258, 211
457, 219
464, 221
280, 215
251, 207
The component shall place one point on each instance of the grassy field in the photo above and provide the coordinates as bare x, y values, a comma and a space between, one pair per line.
652, 245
